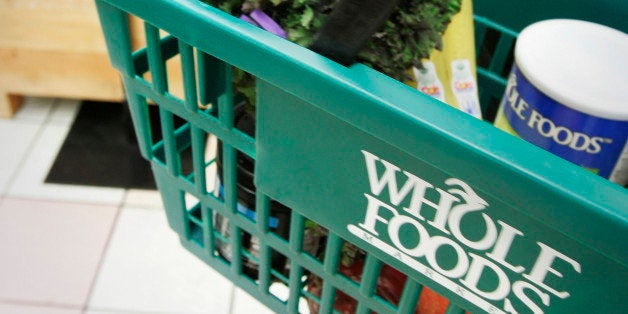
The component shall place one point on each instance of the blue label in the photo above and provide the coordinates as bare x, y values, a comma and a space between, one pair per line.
273, 222
588, 141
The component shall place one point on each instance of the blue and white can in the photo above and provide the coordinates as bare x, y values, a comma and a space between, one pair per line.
568, 94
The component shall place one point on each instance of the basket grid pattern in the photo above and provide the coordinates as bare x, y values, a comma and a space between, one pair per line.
198, 123
189, 197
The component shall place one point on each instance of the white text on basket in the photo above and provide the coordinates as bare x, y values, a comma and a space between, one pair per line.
436, 220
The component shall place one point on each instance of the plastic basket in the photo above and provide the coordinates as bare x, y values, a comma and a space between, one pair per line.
489, 221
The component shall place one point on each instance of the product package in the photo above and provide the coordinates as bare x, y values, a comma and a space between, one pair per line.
449, 75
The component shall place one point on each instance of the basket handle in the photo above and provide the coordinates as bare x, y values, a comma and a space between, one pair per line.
349, 27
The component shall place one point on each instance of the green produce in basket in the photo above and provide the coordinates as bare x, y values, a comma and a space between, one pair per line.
410, 34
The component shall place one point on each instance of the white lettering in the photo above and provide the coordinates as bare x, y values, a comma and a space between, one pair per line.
473, 203
503, 245
543, 265
475, 263
462, 261
442, 208
535, 117
454, 225
564, 136
522, 105
478, 265
423, 236
508, 307
596, 146
518, 289
389, 178
372, 214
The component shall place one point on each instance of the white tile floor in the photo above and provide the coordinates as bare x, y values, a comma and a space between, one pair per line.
77, 249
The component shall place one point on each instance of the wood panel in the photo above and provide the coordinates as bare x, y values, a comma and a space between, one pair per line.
53, 49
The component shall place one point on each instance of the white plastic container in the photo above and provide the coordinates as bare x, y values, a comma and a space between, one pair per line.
568, 93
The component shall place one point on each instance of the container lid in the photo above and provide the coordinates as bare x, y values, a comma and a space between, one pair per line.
580, 64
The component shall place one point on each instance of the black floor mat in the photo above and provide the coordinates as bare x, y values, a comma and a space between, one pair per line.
101, 150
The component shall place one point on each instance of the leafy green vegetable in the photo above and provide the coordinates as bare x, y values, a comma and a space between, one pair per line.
409, 35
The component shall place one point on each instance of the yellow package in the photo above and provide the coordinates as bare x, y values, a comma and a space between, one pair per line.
450, 75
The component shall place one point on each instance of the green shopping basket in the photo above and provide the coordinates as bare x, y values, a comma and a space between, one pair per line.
490, 222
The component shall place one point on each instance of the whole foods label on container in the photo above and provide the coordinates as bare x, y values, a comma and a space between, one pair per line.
591, 142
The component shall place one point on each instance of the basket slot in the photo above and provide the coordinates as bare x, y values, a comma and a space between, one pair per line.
156, 61
491, 90
141, 122
262, 203
236, 249
297, 227
311, 297
296, 287
212, 80
454, 309
502, 55
327, 297
332, 259
208, 231
410, 296
279, 275
494, 49
201, 167
225, 102
175, 146
297, 223
488, 36
332, 253
168, 48
229, 177
264, 272
479, 33
173, 162
195, 220
189, 76
370, 273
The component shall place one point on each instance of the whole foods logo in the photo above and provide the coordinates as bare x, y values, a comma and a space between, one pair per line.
444, 230
547, 128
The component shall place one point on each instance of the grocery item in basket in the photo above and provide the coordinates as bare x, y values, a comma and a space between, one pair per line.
567, 94
279, 218
409, 35
258, 18
450, 74
390, 285
349, 27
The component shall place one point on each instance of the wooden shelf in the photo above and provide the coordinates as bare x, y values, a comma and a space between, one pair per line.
53, 49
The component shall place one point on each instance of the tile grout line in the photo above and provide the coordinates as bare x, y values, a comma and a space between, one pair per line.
52, 200
232, 298
103, 255
113, 310
121, 206
42, 304
29, 150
